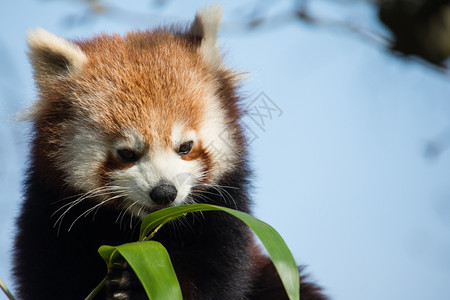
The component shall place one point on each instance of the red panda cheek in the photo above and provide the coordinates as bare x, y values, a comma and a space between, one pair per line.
207, 164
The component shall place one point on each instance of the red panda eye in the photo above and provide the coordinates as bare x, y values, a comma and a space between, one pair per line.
185, 148
127, 155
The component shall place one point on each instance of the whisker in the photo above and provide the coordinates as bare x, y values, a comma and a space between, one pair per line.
101, 191
97, 192
93, 208
73, 204
221, 192
81, 197
124, 212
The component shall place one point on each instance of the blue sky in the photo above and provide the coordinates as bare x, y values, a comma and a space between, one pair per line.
341, 173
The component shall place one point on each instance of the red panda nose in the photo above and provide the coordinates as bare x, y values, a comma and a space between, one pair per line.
163, 194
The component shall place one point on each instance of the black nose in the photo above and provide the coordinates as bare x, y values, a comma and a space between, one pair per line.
163, 194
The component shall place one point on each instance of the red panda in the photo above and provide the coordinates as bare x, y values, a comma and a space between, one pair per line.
126, 125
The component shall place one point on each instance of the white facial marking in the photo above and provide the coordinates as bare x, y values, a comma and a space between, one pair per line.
217, 137
180, 135
80, 156
133, 141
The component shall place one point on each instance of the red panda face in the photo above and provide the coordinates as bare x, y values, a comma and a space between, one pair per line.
145, 120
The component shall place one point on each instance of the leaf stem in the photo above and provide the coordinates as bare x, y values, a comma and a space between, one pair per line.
151, 235
96, 290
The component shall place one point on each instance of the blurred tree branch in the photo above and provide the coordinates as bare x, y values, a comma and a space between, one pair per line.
420, 27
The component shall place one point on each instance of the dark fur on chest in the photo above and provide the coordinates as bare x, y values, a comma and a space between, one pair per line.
209, 250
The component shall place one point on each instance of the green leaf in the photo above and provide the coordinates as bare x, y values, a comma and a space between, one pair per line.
108, 254
151, 263
275, 246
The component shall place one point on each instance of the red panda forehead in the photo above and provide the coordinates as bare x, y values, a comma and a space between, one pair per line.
146, 84
154, 118
149, 50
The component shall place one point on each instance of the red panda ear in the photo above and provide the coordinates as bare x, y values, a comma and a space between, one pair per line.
53, 56
206, 26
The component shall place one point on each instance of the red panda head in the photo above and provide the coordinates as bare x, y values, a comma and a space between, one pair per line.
144, 119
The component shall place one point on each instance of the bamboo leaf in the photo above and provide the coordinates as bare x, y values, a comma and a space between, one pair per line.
107, 253
275, 246
151, 263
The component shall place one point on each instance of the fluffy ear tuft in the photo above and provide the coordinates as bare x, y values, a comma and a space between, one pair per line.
53, 56
206, 26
